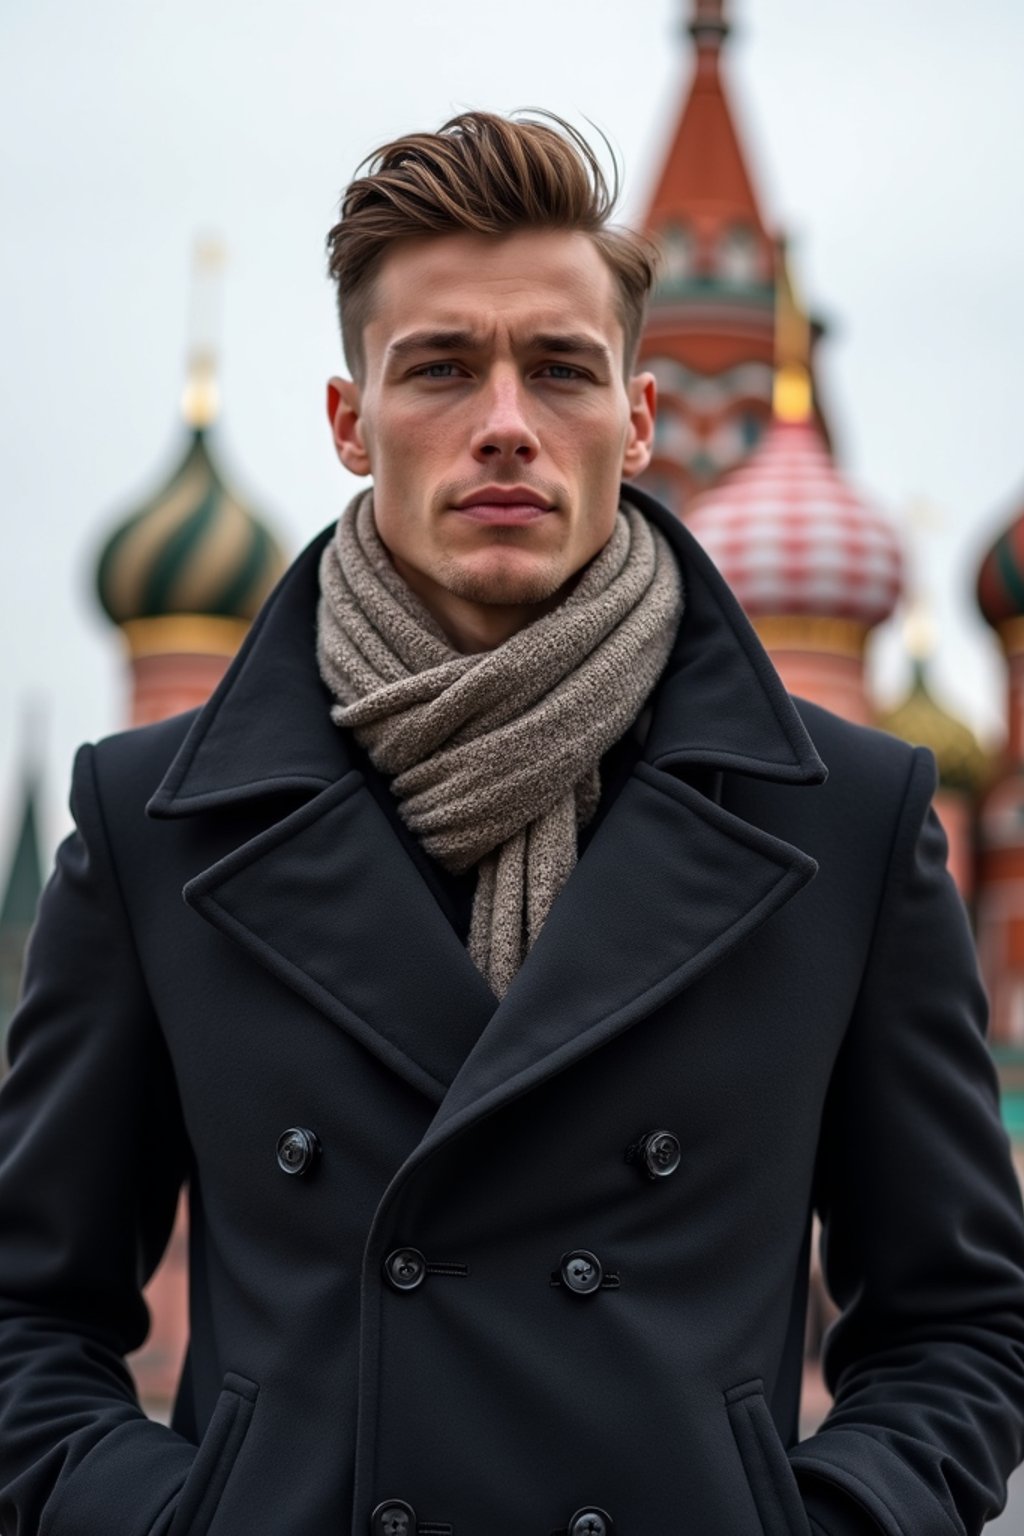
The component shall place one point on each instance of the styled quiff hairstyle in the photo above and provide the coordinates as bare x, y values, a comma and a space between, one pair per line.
487, 175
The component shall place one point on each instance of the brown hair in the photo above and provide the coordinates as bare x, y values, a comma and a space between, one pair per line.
489, 175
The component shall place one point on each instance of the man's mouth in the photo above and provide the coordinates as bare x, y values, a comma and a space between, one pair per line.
506, 505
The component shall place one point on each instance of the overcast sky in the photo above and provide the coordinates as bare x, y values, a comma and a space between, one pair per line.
886, 135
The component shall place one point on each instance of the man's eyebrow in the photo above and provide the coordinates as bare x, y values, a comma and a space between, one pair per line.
434, 341
576, 342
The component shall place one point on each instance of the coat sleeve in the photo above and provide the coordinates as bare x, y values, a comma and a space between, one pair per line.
91, 1162
922, 1231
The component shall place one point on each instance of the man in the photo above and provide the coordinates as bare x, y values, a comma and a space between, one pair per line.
531, 990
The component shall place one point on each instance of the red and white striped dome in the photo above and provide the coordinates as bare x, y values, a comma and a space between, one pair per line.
791, 537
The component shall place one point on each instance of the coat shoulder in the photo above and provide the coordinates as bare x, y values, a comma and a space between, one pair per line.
862, 756
871, 807
130, 764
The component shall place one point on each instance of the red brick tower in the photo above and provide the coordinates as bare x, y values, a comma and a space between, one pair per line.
710, 337
1000, 895
1000, 870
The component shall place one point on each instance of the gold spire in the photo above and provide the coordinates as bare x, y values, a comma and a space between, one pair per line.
792, 398
200, 401
919, 630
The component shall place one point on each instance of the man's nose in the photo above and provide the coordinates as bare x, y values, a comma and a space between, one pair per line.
504, 430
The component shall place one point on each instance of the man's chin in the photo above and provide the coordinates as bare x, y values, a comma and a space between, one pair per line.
502, 583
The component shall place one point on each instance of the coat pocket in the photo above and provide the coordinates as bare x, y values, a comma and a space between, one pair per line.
773, 1487
218, 1451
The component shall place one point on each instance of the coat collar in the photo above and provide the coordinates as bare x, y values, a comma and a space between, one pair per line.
267, 727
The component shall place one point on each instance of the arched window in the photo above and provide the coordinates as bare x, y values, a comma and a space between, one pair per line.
738, 257
679, 254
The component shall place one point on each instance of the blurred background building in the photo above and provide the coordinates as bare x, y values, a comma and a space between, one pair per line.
744, 455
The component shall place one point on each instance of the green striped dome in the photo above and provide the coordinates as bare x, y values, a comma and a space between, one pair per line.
192, 548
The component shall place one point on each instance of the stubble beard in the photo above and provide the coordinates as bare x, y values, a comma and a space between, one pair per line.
501, 588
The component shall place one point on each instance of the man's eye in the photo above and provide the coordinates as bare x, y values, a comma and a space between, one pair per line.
563, 371
437, 371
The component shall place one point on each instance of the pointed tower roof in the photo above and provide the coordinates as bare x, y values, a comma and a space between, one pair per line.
705, 183
25, 875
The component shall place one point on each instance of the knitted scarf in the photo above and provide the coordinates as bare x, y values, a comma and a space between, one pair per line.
493, 757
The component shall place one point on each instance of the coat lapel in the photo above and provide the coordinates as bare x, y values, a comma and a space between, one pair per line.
328, 900
670, 885
325, 897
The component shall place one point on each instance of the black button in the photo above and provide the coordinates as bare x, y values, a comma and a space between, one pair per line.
581, 1271
405, 1269
393, 1518
297, 1150
591, 1522
661, 1153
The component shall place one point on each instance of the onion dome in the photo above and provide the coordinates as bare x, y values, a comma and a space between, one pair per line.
187, 571
791, 537
1001, 577
193, 547
920, 720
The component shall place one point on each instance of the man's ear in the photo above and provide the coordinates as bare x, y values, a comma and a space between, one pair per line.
642, 389
344, 412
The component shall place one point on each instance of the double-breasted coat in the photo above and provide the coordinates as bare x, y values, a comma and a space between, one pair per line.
521, 1268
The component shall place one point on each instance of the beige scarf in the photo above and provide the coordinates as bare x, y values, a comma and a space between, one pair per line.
493, 757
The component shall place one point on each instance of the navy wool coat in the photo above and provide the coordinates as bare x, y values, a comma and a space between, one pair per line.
462, 1268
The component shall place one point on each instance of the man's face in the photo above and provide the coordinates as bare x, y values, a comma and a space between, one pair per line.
494, 416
